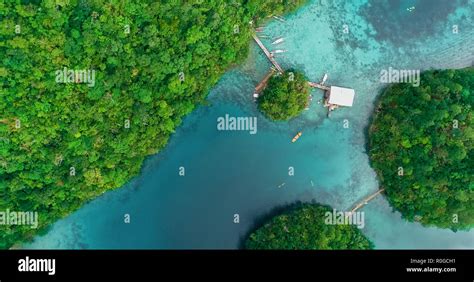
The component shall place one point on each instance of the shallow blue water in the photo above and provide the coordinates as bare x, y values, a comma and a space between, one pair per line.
231, 173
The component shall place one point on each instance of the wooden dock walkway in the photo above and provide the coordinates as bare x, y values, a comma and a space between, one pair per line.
264, 81
366, 200
267, 53
318, 85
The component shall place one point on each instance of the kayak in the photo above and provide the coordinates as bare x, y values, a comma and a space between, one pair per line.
296, 137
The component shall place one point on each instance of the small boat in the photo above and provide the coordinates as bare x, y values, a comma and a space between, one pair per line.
273, 53
325, 77
279, 18
297, 136
278, 41
411, 9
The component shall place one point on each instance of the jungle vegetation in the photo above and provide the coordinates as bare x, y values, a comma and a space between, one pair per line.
285, 96
421, 146
63, 144
303, 227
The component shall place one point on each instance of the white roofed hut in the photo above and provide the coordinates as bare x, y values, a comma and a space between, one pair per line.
339, 96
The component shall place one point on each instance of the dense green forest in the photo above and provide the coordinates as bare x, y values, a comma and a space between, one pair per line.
62, 144
303, 227
421, 145
285, 96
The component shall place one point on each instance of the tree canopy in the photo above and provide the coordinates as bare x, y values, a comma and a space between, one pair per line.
303, 227
62, 144
421, 146
285, 96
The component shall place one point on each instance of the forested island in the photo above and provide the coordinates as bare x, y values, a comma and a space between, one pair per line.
304, 227
285, 96
421, 145
63, 144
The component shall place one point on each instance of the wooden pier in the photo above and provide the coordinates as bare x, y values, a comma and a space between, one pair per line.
319, 85
366, 201
267, 53
259, 88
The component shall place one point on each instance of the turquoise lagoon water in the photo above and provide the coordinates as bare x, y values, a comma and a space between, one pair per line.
231, 173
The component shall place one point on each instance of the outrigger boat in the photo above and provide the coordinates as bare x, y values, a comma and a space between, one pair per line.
325, 77
278, 40
296, 137
277, 52
279, 18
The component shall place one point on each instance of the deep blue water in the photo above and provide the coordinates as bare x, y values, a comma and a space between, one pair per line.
231, 173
